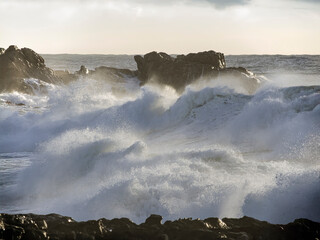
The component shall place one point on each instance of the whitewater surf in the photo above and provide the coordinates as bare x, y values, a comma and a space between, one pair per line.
93, 149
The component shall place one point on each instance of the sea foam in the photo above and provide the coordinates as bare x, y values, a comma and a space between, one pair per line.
101, 150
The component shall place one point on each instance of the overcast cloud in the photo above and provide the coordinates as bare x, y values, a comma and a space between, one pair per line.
174, 26
310, 1
215, 3
218, 4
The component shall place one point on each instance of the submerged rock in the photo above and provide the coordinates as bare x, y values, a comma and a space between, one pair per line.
111, 74
181, 71
53, 226
83, 70
99, 73
65, 76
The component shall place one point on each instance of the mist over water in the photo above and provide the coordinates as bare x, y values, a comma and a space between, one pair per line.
103, 149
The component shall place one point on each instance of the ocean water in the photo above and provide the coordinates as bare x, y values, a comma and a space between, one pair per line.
95, 149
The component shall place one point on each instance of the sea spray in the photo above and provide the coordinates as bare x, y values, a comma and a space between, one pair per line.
101, 149
211, 152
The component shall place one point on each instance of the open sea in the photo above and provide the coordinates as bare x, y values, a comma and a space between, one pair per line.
94, 149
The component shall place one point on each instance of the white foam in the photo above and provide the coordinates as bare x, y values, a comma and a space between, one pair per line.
210, 152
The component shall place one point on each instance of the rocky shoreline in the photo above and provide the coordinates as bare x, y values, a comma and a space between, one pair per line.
19, 65
54, 226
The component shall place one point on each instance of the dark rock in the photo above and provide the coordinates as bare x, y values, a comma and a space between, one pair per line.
12, 48
214, 59
53, 226
16, 65
181, 71
83, 70
16, 104
111, 74
153, 220
24, 70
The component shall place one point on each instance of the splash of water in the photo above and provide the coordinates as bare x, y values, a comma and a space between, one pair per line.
213, 151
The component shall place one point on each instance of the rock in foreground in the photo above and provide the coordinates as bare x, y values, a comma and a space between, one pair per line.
53, 226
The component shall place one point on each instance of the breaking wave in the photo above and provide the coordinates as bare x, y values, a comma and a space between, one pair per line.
98, 150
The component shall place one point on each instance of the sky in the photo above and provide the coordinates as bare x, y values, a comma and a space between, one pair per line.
172, 26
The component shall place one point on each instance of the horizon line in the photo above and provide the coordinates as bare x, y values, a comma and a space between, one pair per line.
226, 54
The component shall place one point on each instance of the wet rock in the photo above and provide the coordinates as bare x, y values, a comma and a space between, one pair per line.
53, 226
25, 71
183, 70
214, 59
111, 74
180, 71
12, 48
102, 73
153, 220
83, 70
16, 65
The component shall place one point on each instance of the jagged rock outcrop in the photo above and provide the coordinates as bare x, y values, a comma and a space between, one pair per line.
53, 226
16, 65
24, 70
180, 71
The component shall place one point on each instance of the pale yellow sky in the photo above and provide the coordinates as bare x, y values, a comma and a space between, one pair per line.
173, 26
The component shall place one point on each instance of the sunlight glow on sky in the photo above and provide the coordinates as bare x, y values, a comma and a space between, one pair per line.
173, 26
